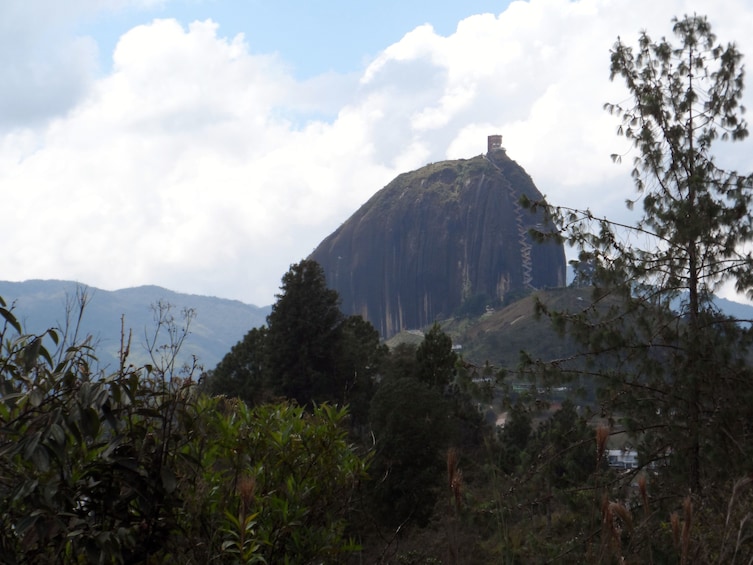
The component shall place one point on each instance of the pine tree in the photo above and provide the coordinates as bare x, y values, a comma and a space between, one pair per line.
309, 351
436, 359
304, 329
670, 367
684, 99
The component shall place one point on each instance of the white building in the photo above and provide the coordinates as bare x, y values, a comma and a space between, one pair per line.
622, 458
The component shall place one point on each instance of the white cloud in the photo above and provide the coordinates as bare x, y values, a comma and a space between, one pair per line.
198, 165
176, 165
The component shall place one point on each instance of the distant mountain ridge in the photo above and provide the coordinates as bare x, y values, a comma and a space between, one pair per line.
218, 323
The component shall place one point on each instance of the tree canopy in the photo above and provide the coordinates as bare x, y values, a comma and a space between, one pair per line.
309, 350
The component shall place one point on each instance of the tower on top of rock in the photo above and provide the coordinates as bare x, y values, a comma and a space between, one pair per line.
494, 142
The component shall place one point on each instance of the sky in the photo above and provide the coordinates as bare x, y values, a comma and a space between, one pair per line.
206, 145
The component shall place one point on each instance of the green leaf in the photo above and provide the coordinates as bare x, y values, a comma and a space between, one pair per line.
90, 422
57, 435
25, 524
7, 398
36, 396
10, 318
46, 355
24, 489
31, 444
54, 336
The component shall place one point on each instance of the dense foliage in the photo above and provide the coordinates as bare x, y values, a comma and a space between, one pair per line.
138, 466
408, 406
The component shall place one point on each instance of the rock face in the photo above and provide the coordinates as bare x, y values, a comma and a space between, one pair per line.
438, 239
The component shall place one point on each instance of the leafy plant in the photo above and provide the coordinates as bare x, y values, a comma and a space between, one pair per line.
139, 466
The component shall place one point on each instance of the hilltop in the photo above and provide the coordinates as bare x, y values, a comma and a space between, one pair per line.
448, 238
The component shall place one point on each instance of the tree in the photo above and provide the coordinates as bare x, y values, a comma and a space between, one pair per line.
278, 479
513, 438
360, 356
401, 362
672, 370
685, 98
309, 351
436, 359
669, 360
304, 328
410, 422
240, 373
565, 442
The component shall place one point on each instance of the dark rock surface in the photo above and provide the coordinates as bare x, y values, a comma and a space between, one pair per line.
440, 238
